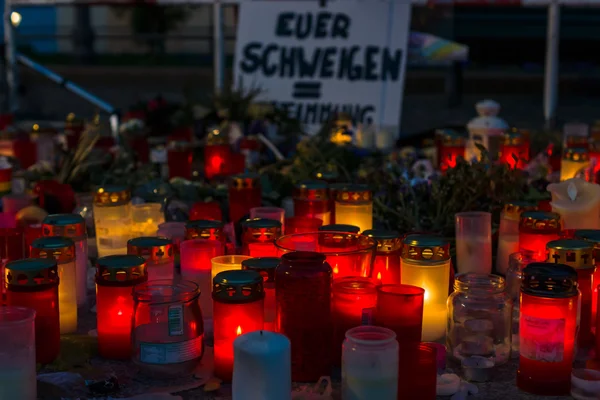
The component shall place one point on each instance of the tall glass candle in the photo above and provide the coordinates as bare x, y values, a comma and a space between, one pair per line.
311, 199
62, 250
303, 291
474, 242
340, 228
260, 230
238, 301
425, 263
578, 254
73, 227
115, 278
386, 267
548, 325
226, 263
451, 148
158, 253
275, 213
508, 234
514, 150
244, 194
33, 283
265, 266
578, 203
536, 229
370, 364
352, 304
302, 225
593, 236
574, 161
112, 218
17, 353
146, 218
354, 206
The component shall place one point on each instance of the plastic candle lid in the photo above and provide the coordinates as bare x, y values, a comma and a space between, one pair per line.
572, 252
265, 266
387, 241
69, 225
112, 195
312, 190
32, 272
549, 280
355, 194
155, 248
591, 235
425, 247
238, 286
123, 270
576, 154
203, 224
346, 228
539, 221
59, 248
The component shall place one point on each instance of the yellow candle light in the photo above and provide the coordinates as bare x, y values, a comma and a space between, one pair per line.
146, 218
425, 262
226, 263
577, 202
575, 160
354, 206
112, 218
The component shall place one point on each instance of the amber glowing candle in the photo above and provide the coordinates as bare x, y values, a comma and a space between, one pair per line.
266, 266
311, 199
354, 206
547, 329
115, 278
238, 304
158, 253
226, 263
386, 267
514, 150
508, 233
536, 229
334, 188
302, 225
112, 218
593, 236
574, 161
451, 147
244, 194
352, 304
261, 231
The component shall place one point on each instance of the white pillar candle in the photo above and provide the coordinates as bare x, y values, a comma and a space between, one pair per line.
577, 202
262, 367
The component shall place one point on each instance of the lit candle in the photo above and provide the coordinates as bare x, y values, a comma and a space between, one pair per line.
244, 194
112, 218
474, 242
593, 236
425, 263
158, 253
577, 202
260, 230
574, 161
451, 147
259, 249
115, 278
514, 151
334, 188
536, 229
262, 367
205, 229
311, 199
146, 218
354, 206
217, 154
275, 213
62, 250
226, 263
238, 301
265, 266
386, 268
508, 234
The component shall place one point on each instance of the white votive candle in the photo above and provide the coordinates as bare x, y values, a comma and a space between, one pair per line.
262, 367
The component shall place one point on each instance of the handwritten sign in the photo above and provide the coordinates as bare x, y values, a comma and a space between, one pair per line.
315, 61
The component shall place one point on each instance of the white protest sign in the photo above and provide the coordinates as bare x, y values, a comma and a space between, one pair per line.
314, 61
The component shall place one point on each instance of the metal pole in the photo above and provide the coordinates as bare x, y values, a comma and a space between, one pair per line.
552, 63
218, 47
10, 60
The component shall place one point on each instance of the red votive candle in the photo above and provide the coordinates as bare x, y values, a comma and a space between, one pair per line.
536, 229
303, 292
451, 147
25, 151
216, 158
400, 308
386, 267
33, 283
244, 194
115, 278
238, 304
208, 210
266, 249
266, 266
593, 236
302, 225
179, 159
311, 199
55, 197
346, 252
514, 150
547, 328
261, 231
207, 230
352, 305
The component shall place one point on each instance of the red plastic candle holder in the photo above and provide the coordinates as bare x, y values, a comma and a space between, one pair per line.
302, 225
244, 194
33, 283
25, 151
179, 158
400, 308
514, 151
207, 230
303, 291
266, 266
593, 236
451, 147
260, 231
536, 229
216, 158
547, 328
115, 278
209, 210
311, 199
353, 302
238, 304
386, 268
597, 320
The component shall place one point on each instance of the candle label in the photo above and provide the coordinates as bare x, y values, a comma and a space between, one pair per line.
542, 339
171, 353
176, 320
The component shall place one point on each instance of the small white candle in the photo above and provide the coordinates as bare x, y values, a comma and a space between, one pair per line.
262, 367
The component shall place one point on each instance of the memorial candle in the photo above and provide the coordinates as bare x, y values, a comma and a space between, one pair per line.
311, 199
577, 202
354, 206
115, 278
266, 266
260, 230
275, 213
244, 194
302, 225
112, 218
340, 228
146, 218
474, 242
206, 229
593, 236
179, 158
334, 188
226, 263
174, 231
514, 150
238, 303
536, 229
574, 161
386, 267
158, 253
217, 154
451, 148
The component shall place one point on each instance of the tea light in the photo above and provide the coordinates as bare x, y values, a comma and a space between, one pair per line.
508, 234
244, 194
311, 199
226, 263
477, 368
574, 161
577, 202
536, 229
386, 268
112, 218
262, 231
158, 253
354, 206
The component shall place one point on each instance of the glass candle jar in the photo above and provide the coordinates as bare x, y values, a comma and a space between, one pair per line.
311, 199
217, 154
11, 248
115, 278
451, 147
354, 206
62, 250
474, 242
263, 231
386, 267
574, 160
158, 253
33, 283
168, 334
238, 304
593, 236
17, 353
226, 263
514, 150
146, 218
303, 291
578, 254
548, 326
340, 228
479, 318
112, 218
302, 225
179, 158
352, 304
400, 308
369, 364
73, 227
425, 262
508, 234
536, 229
206, 210
244, 194
265, 266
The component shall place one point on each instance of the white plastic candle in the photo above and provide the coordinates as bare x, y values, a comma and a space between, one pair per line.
262, 367
577, 202
474, 242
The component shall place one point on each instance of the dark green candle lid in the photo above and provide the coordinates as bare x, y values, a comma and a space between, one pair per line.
542, 279
237, 286
265, 266
346, 228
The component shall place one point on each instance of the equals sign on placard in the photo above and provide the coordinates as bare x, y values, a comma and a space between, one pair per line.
307, 90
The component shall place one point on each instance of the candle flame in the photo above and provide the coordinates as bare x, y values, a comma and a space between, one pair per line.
426, 295
239, 330
336, 270
120, 313
379, 276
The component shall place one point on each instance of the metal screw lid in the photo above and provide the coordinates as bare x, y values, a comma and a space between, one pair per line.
576, 154
387, 241
311, 190
575, 253
121, 270
59, 248
539, 222
340, 228
238, 287
245, 181
39, 273
68, 225
425, 247
592, 236
112, 196
261, 229
204, 229
155, 248
355, 194
265, 266
549, 280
